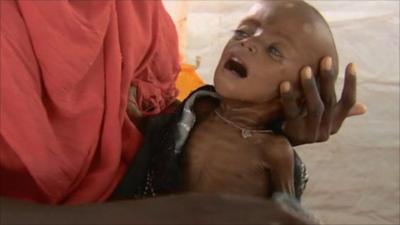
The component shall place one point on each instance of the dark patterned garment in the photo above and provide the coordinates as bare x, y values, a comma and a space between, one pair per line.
156, 168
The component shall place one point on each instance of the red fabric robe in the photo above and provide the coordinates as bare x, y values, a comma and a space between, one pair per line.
66, 67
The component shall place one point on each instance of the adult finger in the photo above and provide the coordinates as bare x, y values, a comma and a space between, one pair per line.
314, 103
328, 97
290, 108
347, 99
357, 110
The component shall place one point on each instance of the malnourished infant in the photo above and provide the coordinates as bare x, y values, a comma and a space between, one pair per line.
224, 140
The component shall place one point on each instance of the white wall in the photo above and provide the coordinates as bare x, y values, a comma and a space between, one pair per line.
366, 32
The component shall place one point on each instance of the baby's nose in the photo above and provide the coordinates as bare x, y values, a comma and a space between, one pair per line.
251, 47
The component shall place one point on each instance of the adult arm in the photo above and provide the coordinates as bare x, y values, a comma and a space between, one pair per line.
178, 209
325, 115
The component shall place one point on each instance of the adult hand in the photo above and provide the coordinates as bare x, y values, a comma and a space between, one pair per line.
323, 115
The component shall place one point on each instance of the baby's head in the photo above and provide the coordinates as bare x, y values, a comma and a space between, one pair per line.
270, 46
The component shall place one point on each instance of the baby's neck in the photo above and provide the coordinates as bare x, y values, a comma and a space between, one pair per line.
249, 115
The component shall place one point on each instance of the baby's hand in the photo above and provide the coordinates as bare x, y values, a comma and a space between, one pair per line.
134, 113
325, 114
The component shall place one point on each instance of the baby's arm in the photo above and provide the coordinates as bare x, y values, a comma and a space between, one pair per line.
280, 157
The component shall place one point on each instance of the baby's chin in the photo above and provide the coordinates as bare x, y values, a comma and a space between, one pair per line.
233, 93
235, 89
227, 90
223, 87
222, 91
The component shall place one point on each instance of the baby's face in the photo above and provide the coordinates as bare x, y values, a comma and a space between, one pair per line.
270, 46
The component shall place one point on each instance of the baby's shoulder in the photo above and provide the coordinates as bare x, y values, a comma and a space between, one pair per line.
276, 146
272, 139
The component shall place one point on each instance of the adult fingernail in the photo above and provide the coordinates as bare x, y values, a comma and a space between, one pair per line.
364, 108
285, 87
307, 73
328, 63
353, 69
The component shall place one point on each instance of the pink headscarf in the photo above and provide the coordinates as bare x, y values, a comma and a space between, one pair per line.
66, 67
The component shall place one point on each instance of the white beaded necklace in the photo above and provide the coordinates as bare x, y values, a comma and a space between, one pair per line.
246, 132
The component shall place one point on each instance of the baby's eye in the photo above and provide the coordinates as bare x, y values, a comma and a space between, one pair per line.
240, 34
274, 52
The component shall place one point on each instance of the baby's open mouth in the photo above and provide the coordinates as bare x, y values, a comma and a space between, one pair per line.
235, 66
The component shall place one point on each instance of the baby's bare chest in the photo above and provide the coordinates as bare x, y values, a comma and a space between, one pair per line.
218, 159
